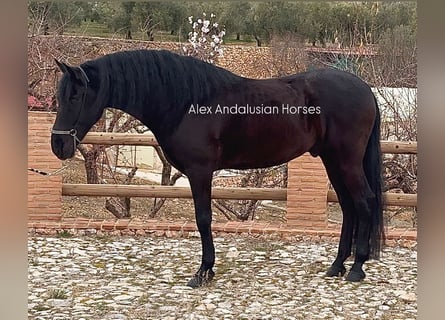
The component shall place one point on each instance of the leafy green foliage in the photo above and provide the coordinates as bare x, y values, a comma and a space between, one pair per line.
342, 23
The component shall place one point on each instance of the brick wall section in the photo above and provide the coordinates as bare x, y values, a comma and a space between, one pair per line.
44, 192
307, 189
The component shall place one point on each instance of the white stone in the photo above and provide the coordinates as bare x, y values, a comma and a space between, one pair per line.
123, 297
58, 303
153, 281
232, 253
327, 302
409, 297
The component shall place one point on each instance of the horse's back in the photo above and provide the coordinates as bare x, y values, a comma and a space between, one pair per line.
332, 85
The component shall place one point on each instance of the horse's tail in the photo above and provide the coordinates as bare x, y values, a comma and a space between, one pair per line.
372, 164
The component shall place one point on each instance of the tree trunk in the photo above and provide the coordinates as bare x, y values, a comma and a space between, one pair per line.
90, 157
46, 29
238, 36
45, 20
117, 208
166, 180
258, 41
120, 207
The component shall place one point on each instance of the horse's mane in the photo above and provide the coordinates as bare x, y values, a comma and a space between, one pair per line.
157, 82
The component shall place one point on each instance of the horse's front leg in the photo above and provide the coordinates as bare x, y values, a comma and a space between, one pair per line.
201, 183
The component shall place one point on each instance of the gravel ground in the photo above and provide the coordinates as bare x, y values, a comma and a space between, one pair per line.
105, 277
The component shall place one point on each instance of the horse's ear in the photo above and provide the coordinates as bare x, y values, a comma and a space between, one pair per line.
62, 66
75, 73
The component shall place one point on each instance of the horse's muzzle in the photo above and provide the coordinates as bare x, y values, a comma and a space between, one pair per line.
62, 146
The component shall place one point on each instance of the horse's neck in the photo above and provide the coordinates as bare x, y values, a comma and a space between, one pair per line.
140, 111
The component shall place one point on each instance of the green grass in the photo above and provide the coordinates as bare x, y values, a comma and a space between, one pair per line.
41, 307
143, 299
58, 294
95, 29
34, 261
92, 29
64, 234
102, 308
98, 265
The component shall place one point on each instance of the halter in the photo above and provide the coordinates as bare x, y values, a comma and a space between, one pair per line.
73, 132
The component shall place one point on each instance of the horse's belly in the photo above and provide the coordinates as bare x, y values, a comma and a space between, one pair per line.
240, 142
261, 153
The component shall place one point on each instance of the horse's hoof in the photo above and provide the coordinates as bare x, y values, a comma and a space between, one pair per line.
194, 282
335, 271
355, 276
201, 279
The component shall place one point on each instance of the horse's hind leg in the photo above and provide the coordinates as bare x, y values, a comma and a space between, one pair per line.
362, 197
345, 245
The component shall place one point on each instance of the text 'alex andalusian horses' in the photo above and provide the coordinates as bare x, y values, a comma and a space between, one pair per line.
206, 118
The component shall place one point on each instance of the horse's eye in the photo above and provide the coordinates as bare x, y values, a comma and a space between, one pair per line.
74, 98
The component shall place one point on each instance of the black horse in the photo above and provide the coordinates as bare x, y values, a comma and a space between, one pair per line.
206, 118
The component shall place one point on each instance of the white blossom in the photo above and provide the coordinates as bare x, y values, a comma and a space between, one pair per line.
205, 41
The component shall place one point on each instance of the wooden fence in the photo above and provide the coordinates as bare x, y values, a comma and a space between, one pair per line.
392, 199
107, 138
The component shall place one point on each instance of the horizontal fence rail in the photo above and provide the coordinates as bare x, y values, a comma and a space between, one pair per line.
122, 190
124, 139
112, 138
137, 139
390, 199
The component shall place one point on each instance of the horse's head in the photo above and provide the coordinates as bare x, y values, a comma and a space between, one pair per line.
78, 109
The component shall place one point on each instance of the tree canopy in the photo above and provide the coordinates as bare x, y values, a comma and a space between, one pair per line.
318, 23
